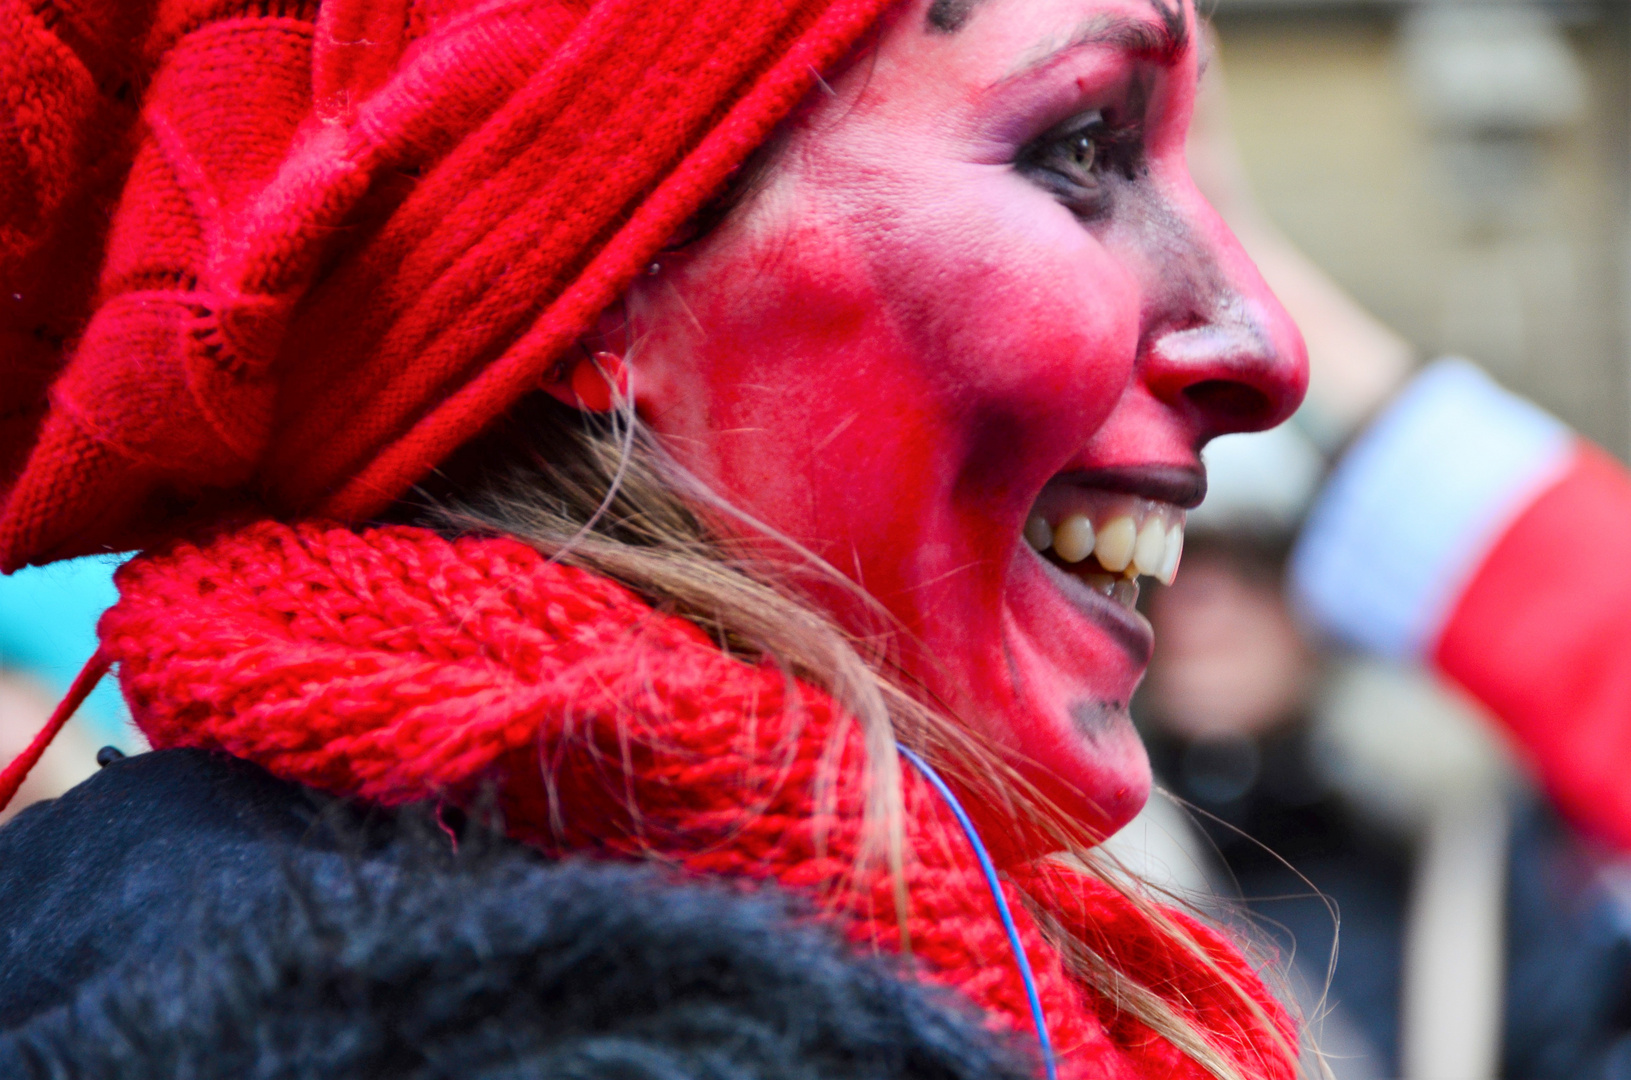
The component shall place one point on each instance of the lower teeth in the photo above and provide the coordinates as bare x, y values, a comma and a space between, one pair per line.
1123, 590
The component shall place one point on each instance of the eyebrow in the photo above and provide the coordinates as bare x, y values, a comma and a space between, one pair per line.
1162, 42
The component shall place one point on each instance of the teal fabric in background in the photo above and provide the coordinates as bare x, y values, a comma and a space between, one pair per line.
48, 630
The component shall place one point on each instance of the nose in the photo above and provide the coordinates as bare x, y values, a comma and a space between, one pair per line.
1230, 374
1224, 353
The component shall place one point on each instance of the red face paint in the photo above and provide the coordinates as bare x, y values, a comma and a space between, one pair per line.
978, 265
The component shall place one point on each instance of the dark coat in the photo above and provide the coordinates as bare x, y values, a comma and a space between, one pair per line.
184, 915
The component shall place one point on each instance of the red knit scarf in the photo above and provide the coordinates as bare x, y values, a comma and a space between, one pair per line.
395, 665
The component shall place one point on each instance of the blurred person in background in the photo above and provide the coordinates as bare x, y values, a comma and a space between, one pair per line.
1228, 715
1328, 788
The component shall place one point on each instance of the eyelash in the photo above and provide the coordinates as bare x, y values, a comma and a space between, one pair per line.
1055, 160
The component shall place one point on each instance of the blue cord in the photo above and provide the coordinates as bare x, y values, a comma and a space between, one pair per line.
991, 883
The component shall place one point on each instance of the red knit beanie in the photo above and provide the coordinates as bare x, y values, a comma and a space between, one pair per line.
257, 251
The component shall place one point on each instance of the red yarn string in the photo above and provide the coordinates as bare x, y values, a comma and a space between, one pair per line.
15, 773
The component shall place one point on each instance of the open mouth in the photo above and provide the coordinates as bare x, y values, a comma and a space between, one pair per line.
1107, 540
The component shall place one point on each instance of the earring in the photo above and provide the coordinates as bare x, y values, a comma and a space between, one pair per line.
592, 381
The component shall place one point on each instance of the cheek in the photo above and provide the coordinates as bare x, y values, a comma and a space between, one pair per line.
777, 376
889, 375
1027, 328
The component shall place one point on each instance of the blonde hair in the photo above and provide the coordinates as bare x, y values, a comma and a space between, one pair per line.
601, 493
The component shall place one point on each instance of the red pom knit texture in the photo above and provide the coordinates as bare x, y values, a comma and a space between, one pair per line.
396, 665
265, 251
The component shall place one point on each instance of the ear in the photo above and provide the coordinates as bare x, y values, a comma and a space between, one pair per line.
586, 376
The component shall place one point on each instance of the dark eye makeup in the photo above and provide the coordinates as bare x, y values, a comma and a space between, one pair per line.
1075, 160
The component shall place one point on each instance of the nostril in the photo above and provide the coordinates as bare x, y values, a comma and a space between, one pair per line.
1232, 406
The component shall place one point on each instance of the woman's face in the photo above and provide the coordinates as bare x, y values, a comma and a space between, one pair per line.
976, 292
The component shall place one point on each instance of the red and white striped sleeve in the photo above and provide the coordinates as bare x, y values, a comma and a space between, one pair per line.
1469, 530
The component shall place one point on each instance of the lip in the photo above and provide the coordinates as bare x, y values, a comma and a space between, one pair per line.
1126, 628
1181, 485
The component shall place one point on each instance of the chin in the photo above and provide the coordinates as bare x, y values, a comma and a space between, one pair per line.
1052, 696
1102, 778
1085, 758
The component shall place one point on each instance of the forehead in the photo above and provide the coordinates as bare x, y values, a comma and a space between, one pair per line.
1023, 36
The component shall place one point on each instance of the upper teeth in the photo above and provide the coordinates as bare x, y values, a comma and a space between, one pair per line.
1147, 539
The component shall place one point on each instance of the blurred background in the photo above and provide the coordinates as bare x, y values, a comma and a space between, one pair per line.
1463, 169
1460, 170
47, 632
1458, 175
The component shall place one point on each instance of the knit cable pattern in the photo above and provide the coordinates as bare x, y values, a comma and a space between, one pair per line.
395, 665
298, 252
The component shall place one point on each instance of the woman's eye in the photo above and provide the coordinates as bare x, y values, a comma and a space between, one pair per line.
1072, 163
1082, 151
